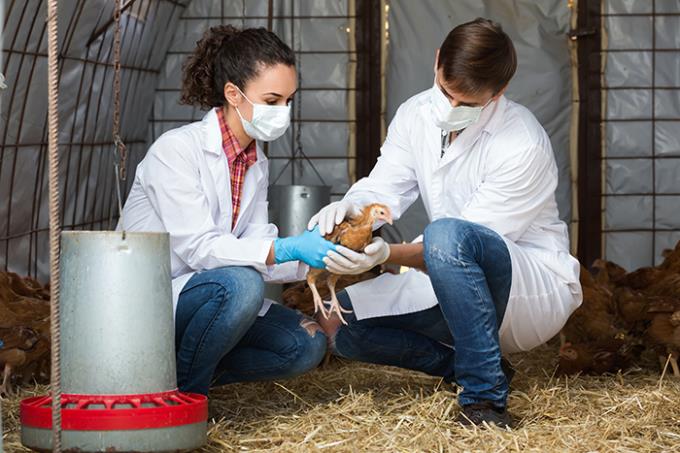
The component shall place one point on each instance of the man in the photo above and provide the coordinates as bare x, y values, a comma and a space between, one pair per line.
495, 275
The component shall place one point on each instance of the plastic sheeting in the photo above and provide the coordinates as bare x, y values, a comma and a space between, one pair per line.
542, 83
642, 173
85, 115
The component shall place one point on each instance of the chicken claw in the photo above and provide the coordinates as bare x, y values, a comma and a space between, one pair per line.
336, 308
318, 302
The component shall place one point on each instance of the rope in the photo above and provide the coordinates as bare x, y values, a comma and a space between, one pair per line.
55, 228
120, 160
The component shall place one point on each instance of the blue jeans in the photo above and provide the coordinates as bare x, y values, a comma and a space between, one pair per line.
219, 338
470, 269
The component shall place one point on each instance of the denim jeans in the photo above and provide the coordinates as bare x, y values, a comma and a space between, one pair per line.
219, 338
470, 269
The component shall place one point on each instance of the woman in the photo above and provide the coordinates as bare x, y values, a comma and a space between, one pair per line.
205, 183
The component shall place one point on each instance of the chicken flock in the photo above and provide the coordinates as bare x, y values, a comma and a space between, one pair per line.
623, 315
24, 331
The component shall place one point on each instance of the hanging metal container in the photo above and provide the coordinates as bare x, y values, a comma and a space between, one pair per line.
291, 207
118, 355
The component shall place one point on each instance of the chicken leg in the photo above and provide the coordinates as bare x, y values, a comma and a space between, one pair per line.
672, 361
335, 303
674, 365
318, 302
6, 387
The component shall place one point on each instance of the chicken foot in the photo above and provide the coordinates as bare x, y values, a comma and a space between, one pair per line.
6, 386
674, 365
672, 361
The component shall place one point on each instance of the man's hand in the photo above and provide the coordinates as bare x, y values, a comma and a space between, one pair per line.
347, 261
332, 215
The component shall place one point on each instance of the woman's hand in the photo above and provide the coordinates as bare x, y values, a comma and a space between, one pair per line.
309, 247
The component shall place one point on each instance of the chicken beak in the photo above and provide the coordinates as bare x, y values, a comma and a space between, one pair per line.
388, 218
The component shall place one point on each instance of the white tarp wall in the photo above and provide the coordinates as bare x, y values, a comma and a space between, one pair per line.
85, 115
642, 124
542, 83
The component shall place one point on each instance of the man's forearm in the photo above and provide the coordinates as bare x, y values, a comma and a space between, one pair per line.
409, 255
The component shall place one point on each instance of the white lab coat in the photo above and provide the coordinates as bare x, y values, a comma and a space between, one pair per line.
183, 186
499, 172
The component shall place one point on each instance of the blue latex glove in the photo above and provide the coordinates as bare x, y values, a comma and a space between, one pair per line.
309, 247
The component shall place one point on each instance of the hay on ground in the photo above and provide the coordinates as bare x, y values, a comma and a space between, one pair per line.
354, 407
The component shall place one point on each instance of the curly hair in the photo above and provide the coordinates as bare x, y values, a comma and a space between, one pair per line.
227, 54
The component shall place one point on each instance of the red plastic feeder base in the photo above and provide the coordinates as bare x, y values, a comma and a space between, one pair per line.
117, 412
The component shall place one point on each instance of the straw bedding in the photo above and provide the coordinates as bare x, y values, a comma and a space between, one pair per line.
351, 407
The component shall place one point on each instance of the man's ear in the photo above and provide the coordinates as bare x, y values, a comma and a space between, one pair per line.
436, 61
232, 94
500, 93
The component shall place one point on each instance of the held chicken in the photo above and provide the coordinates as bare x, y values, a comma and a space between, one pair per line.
354, 233
299, 295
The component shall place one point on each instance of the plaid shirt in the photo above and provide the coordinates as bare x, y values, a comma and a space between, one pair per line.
239, 161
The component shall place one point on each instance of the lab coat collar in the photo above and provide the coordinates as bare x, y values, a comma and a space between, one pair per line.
495, 115
213, 136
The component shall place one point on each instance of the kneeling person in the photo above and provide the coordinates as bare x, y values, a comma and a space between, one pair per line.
497, 274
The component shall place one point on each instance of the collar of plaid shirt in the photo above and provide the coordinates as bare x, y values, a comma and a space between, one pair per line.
239, 160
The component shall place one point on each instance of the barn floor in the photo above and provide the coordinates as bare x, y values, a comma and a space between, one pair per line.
355, 407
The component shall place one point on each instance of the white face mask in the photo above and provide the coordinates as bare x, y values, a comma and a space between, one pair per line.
269, 121
450, 118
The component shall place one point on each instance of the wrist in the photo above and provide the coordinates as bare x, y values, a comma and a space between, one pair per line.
387, 252
282, 250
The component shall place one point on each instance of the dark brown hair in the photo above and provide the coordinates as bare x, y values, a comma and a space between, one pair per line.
227, 54
477, 56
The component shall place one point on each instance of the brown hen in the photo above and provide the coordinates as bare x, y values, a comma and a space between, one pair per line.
354, 233
595, 320
15, 344
299, 295
663, 333
594, 358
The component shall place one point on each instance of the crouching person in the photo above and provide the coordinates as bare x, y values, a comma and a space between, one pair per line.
494, 271
205, 183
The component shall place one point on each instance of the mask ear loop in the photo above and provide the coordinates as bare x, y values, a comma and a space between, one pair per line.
244, 95
246, 98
